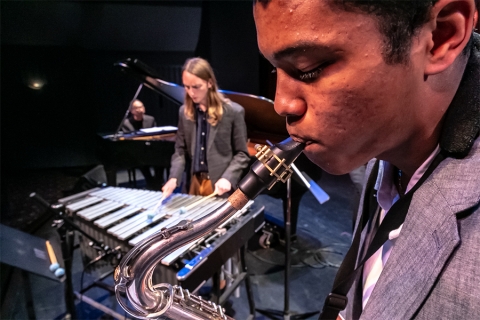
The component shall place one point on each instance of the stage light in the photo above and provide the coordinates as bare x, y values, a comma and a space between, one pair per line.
36, 84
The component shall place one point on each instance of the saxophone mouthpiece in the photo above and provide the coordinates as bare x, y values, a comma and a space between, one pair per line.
273, 165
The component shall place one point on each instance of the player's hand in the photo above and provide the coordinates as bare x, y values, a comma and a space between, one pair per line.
222, 186
169, 187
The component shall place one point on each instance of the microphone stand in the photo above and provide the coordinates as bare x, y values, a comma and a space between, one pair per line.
115, 136
286, 314
322, 197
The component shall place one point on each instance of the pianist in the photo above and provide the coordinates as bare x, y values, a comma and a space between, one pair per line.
137, 120
212, 135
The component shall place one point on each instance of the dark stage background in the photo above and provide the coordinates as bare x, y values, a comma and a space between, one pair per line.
72, 47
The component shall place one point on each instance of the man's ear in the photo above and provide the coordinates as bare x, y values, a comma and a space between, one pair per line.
453, 23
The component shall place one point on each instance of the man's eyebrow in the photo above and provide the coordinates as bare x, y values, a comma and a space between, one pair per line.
297, 48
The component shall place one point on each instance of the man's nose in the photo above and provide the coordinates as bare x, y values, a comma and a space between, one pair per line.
288, 99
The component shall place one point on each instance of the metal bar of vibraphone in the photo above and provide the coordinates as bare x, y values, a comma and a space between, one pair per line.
142, 223
117, 215
94, 197
101, 200
139, 224
175, 203
118, 195
132, 221
100, 209
146, 197
109, 192
121, 195
173, 219
83, 203
127, 197
193, 214
137, 198
76, 196
113, 193
140, 198
107, 209
150, 203
176, 214
99, 206
104, 192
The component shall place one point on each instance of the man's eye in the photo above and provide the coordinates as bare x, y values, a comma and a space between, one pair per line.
310, 75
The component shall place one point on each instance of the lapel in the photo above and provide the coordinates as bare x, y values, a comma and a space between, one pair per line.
193, 136
411, 272
189, 132
211, 135
146, 122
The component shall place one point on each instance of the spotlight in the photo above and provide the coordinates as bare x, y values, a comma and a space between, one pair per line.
36, 84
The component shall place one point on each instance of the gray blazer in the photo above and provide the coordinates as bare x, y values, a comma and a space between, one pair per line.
434, 269
227, 153
148, 122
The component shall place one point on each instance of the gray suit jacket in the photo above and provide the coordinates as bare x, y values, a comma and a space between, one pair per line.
434, 269
148, 122
227, 153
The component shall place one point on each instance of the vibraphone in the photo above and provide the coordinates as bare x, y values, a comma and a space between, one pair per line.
122, 217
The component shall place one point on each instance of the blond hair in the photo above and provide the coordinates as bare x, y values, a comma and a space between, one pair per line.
201, 68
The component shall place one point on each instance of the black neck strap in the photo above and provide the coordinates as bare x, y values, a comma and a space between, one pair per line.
336, 301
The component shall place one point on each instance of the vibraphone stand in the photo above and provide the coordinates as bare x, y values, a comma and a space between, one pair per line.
65, 228
286, 314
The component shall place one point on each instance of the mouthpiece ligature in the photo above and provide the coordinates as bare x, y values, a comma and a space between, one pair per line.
264, 154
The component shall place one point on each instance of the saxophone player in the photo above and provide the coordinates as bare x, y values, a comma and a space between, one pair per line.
397, 82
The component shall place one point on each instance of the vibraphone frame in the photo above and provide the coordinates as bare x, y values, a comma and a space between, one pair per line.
225, 247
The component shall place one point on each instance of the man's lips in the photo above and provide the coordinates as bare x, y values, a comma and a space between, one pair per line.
301, 139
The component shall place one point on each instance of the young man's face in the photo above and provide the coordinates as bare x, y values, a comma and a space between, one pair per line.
337, 92
196, 87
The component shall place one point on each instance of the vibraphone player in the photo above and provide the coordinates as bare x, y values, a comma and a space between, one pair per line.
212, 135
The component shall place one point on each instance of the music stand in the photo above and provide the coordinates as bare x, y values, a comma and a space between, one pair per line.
29, 254
66, 228
26, 252
286, 314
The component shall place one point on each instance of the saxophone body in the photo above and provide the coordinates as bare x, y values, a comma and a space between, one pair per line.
133, 276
